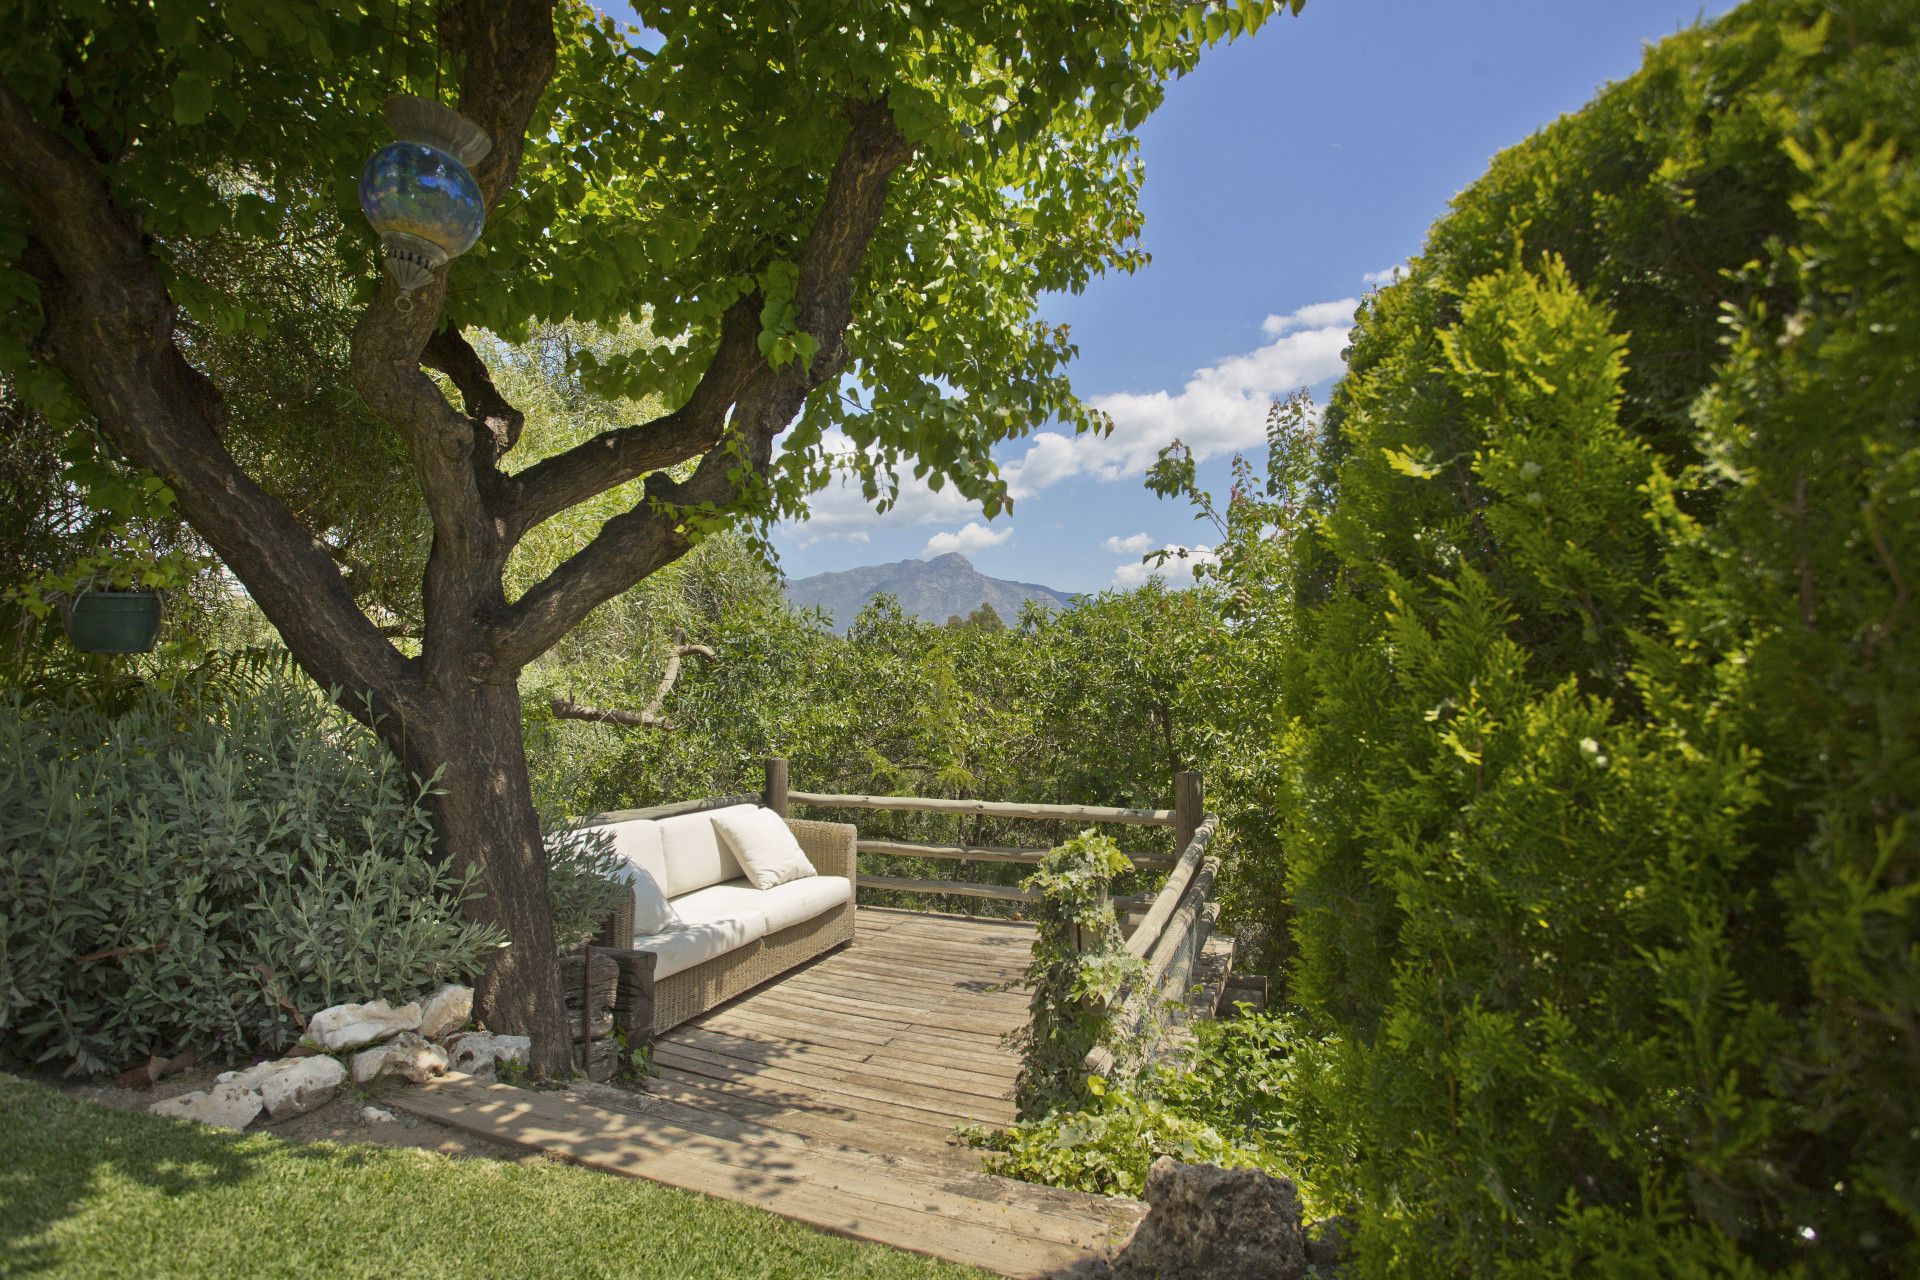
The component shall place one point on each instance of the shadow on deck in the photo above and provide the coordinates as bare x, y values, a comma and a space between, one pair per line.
831, 1095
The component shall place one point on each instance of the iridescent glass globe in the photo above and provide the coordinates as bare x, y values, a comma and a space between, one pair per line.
422, 191
419, 193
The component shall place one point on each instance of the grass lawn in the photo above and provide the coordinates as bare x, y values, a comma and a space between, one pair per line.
88, 1191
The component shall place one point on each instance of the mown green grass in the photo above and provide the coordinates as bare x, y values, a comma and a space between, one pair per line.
88, 1191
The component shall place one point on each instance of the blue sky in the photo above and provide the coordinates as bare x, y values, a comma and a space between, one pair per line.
1279, 176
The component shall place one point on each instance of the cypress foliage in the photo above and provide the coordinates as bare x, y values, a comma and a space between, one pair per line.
1605, 722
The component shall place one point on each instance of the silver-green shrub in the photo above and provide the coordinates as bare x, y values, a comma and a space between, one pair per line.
187, 873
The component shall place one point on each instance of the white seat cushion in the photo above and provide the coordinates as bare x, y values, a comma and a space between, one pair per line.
694, 855
781, 906
763, 845
698, 941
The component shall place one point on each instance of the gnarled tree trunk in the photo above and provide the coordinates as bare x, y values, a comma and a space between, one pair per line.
469, 742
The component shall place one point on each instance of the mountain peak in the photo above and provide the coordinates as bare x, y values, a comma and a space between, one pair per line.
932, 590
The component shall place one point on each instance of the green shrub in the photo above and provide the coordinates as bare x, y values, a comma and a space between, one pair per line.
188, 872
1222, 1101
581, 866
1603, 695
1080, 964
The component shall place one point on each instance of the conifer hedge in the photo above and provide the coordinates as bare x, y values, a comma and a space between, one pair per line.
1604, 690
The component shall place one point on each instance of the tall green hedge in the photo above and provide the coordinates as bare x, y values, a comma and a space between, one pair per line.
1605, 745
185, 873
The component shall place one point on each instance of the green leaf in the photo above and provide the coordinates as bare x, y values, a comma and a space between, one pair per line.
192, 98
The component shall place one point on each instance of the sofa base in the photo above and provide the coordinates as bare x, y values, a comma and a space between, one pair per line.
647, 1006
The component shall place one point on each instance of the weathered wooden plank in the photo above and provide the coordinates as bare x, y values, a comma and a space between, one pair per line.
851, 1127
936, 1126
858, 1084
808, 1185
988, 808
937, 921
735, 1098
900, 987
976, 986
987, 853
825, 1023
1143, 939
949, 1077
947, 1019
959, 888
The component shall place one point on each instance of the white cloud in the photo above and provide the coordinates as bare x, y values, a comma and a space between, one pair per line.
1177, 570
1374, 279
1132, 545
969, 538
852, 535
1315, 315
840, 512
1222, 408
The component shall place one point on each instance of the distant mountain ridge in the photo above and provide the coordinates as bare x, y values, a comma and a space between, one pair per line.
934, 590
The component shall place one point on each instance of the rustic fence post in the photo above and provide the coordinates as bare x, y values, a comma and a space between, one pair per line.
775, 795
1189, 808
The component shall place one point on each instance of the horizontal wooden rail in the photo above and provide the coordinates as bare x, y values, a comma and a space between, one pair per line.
989, 853
673, 810
1176, 924
965, 889
1187, 917
990, 808
1147, 936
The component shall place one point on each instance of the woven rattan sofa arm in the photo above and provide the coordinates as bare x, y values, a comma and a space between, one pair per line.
617, 929
829, 846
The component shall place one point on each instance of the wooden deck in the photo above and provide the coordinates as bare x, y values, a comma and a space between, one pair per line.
830, 1096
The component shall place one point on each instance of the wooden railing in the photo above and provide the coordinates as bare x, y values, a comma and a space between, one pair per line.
1185, 818
1169, 940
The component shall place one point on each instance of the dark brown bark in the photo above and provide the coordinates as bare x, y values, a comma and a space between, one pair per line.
453, 713
470, 744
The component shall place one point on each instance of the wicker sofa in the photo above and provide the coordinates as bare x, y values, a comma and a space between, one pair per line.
663, 980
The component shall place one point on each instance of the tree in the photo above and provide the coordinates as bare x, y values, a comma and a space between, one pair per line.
835, 219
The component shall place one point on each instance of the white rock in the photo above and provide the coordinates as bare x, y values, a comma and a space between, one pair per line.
228, 1105
405, 1055
348, 1026
478, 1053
374, 1115
446, 1011
291, 1087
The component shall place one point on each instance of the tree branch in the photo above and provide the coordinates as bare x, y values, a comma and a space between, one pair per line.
109, 328
494, 420
651, 533
612, 458
654, 717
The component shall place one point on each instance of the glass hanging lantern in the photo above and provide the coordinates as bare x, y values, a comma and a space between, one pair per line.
419, 193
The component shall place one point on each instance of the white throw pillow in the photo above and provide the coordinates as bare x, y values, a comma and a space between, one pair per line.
652, 913
766, 850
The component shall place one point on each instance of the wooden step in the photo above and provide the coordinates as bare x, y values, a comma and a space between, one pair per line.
988, 1222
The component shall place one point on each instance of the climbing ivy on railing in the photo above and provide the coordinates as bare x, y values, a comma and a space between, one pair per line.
1080, 964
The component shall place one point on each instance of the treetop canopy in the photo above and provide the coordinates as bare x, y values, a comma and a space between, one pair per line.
666, 174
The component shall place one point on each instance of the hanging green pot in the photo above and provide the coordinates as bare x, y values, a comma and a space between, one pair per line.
114, 621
